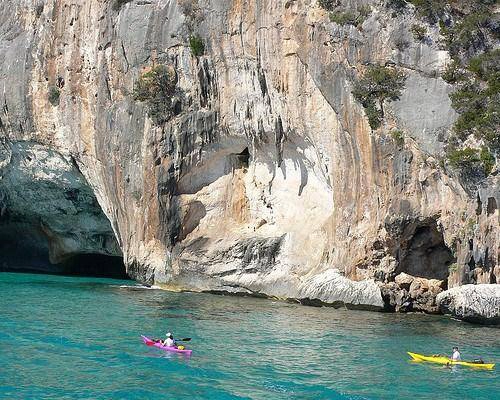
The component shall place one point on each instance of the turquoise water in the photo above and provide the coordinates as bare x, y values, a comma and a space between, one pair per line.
78, 338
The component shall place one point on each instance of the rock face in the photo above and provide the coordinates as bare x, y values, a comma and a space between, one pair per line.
472, 303
268, 179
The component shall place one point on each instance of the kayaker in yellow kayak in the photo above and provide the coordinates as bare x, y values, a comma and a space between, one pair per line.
455, 355
456, 359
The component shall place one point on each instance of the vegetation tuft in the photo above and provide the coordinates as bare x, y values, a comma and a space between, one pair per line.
345, 16
419, 32
472, 162
157, 88
54, 96
328, 5
487, 160
377, 85
477, 100
197, 46
350, 17
454, 73
398, 136
429, 10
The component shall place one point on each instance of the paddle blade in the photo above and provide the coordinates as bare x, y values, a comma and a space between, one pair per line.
185, 339
148, 342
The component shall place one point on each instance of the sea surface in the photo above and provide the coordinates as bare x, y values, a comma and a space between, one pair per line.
79, 338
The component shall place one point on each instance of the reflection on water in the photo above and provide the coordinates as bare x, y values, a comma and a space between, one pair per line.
66, 337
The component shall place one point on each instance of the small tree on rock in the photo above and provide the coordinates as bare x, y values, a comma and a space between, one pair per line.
157, 88
328, 5
377, 85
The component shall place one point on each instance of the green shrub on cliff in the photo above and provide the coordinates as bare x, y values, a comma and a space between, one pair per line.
398, 136
472, 161
486, 65
454, 73
471, 33
487, 160
328, 5
468, 33
419, 32
197, 46
430, 10
54, 95
477, 100
377, 85
373, 114
157, 88
344, 18
462, 158
353, 17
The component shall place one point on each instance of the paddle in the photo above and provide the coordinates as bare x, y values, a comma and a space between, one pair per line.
177, 340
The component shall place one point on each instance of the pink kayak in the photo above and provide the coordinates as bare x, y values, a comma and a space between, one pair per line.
151, 342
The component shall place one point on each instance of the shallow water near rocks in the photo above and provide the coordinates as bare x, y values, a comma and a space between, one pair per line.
79, 338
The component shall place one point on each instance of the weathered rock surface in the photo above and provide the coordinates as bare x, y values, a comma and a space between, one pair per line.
410, 293
472, 303
268, 177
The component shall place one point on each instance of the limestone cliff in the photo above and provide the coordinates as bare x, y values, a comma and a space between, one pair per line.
266, 178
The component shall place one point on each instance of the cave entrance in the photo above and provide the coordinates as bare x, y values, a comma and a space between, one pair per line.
423, 252
49, 213
24, 248
96, 265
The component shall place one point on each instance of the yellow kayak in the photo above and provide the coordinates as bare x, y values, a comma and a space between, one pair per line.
448, 361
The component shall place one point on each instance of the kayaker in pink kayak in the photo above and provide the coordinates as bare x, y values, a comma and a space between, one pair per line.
169, 341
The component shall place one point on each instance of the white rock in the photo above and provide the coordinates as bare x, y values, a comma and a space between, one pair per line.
473, 303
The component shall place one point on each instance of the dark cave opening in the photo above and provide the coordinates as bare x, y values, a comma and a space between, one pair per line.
24, 248
95, 265
424, 253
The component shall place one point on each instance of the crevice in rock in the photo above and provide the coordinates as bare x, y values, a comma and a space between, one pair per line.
479, 208
491, 207
244, 158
